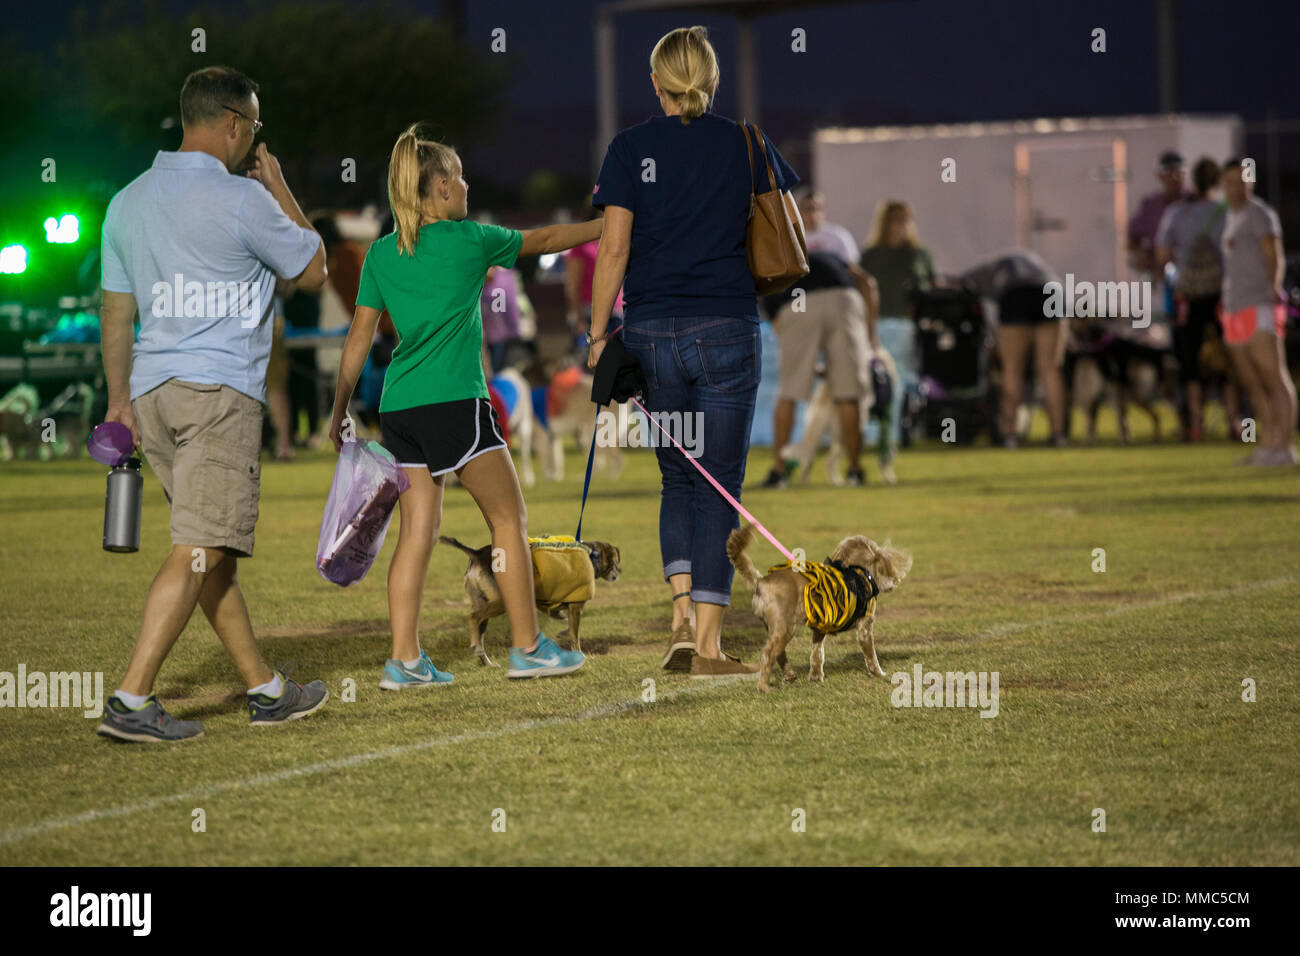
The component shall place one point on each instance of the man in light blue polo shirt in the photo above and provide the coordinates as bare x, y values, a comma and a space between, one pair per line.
196, 248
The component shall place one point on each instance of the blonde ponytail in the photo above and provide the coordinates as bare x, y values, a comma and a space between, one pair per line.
687, 69
415, 165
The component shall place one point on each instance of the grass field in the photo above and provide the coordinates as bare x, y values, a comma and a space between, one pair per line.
1119, 690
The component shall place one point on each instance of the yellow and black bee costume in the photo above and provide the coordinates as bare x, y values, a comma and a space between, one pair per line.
837, 595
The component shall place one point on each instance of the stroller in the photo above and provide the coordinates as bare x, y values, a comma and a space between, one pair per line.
952, 341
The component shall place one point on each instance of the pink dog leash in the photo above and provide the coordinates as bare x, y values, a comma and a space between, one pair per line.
722, 491
700, 468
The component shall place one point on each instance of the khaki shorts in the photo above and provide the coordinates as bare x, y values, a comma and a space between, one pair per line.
835, 323
204, 443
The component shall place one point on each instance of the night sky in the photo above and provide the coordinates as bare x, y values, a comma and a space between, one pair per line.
897, 61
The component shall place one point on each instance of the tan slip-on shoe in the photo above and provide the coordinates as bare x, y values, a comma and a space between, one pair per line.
727, 667
681, 647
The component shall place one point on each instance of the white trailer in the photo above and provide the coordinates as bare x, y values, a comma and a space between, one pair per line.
1064, 188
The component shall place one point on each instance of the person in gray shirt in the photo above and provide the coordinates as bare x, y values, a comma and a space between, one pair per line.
194, 245
1189, 236
1254, 316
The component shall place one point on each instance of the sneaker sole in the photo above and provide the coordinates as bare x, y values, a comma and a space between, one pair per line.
393, 685
115, 733
543, 672
296, 715
678, 657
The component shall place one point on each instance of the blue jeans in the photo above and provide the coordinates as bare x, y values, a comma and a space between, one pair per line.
898, 338
707, 365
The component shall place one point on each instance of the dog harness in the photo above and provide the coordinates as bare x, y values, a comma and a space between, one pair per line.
836, 596
563, 571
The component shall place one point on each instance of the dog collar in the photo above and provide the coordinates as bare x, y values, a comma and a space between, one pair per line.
875, 588
865, 591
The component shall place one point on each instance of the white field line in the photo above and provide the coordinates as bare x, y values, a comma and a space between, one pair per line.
17, 834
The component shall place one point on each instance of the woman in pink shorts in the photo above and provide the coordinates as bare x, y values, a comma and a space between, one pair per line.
1254, 318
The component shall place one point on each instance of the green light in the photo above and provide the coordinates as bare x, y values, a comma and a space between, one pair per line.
65, 229
13, 260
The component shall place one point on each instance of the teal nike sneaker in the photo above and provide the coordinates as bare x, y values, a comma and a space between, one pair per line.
549, 660
397, 676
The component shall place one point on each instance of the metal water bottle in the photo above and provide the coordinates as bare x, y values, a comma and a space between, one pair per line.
122, 504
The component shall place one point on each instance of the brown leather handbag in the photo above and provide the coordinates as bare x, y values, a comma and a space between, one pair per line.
774, 240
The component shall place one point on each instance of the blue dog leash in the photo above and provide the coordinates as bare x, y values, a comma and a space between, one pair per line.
591, 457
586, 482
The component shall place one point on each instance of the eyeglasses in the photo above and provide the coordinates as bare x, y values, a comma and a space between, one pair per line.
257, 124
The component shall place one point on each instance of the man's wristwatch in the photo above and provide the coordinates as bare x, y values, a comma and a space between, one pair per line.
590, 340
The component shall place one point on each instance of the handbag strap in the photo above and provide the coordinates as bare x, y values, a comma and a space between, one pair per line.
749, 147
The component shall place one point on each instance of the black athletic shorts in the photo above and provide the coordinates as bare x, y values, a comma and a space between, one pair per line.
443, 436
1024, 305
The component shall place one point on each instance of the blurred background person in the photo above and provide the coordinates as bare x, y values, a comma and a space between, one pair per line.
900, 265
1254, 315
579, 272
1144, 223
357, 229
277, 381
821, 235
500, 307
302, 316
1014, 282
838, 323
1189, 236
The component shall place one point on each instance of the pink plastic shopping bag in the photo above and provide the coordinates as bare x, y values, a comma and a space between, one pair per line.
367, 481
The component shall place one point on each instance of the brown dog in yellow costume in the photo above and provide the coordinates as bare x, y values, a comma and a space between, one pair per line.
564, 579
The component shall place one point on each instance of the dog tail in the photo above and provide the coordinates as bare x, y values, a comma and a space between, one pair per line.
737, 542
899, 560
474, 556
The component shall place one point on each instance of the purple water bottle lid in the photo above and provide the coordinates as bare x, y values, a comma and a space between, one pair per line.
110, 444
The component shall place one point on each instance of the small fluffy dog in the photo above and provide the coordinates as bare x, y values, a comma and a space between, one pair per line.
564, 579
779, 599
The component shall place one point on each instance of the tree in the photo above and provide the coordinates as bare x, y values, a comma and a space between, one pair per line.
335, 81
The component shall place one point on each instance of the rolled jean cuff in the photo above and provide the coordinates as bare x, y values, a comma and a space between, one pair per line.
680, 566
705, 596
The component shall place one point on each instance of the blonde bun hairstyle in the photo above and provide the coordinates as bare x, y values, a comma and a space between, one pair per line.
415, 165
687, 69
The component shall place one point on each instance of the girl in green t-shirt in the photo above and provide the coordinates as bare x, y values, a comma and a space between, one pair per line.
435, 416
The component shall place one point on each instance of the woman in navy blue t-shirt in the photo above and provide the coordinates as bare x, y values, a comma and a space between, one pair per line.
675, 190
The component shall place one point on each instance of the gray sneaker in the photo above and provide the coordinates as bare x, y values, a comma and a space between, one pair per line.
149, 724
294, 702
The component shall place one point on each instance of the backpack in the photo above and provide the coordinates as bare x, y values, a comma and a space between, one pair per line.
1201, 275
